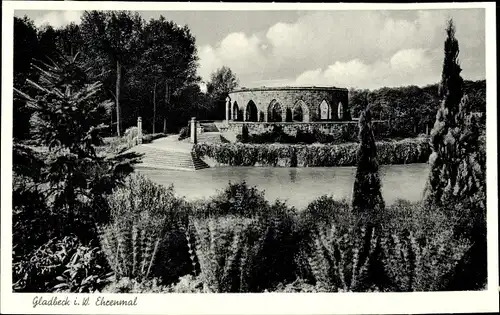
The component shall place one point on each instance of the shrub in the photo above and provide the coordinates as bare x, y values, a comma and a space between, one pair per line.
131, 134
185, 132
225, 252
299, 286
424, 263
326, 210
143, 239
151, 137
132, 285
238, 199
62, 265
338, 262
239, 154
244, 134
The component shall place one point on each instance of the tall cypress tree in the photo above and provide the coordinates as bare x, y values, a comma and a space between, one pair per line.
367, 198
457, 172
457, 179
443, 160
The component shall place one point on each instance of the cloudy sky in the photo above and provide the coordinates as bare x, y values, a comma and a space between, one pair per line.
364, 49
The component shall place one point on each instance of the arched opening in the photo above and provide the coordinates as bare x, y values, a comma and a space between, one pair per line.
340, 111
236, 113
325, 112
288, 117
297, 114
251, 111
300, 112
275, 112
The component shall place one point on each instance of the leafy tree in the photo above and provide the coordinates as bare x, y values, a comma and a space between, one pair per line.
222, 81
47, 43
25, 50
70, 40
166, 68
113, 36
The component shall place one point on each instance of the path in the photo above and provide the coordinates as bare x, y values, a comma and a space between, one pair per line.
170, 153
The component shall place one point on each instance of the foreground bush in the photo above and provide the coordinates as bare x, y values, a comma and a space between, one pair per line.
144, 239
422, 263
242, 243
62, 265
338, 260
238, 154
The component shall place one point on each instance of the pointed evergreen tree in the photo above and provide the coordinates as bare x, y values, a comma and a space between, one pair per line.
457, 164
457, 179
367, 198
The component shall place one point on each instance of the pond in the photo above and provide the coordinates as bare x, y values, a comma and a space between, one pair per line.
298, 186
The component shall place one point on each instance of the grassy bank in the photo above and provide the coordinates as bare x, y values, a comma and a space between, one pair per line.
413, 150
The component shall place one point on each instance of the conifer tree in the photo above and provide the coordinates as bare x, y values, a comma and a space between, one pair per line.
457, 179
367, 198
457, 164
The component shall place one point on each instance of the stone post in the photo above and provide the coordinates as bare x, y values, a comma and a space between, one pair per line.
228, 103
193, 130
139, 130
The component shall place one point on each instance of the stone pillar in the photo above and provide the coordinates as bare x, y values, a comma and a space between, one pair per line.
139, 130
340, 111
283, 114
228, 103
193, 130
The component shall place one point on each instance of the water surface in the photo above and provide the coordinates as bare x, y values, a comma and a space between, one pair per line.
298, 186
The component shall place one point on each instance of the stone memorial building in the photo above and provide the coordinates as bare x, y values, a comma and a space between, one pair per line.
288, 104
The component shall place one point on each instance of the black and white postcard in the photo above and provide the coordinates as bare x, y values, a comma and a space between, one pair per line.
248, 158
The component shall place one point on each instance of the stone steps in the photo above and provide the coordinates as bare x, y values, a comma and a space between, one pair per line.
210, 137
167, 159
209, 126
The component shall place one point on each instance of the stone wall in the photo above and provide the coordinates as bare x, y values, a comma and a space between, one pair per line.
289, 98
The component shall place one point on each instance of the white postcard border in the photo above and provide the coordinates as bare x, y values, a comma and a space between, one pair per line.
269, 303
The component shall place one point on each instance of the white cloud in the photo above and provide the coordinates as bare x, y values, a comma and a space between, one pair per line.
405, 67
351, 48
59, 18
243, 54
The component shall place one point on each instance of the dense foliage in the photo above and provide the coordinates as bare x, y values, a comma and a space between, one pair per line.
222, 81
148, 68
245, 154
60, 180
237, 241
338, 133
457, 179
412, 110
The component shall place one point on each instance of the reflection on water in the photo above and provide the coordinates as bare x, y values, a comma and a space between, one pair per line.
298, 186
293, 175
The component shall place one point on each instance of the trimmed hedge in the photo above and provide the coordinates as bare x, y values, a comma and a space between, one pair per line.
413, 150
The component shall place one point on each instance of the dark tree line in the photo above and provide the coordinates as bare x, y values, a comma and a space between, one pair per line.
411, 109
148, 68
